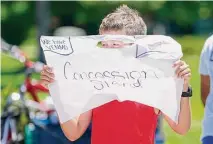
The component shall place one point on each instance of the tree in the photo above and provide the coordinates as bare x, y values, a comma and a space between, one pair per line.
43, 23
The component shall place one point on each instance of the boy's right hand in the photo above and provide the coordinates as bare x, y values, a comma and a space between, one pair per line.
47, 76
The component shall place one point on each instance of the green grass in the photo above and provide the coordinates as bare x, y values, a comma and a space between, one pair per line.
191, 47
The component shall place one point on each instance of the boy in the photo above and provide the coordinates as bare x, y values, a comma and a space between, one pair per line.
125, 122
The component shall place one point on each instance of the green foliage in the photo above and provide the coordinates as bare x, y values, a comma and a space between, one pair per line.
18, 17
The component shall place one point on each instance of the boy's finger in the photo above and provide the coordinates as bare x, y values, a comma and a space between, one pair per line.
48, 74
47, 68
176, 63
178, 70
183, 73
179, 62
50, 69
181, 68
46, 79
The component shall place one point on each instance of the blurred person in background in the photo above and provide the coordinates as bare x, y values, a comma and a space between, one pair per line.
135, 123
12, 49
206, 75
5, 47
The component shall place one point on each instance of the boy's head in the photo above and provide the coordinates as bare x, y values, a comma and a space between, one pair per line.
123, 21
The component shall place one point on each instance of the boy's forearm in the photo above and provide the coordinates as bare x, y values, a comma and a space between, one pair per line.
74, 128
184, 121
70, 129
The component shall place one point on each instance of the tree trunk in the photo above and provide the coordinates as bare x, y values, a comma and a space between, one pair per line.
43, 23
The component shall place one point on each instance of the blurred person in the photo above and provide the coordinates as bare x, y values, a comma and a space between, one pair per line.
206, 75
12, 49
5, 47
135, 123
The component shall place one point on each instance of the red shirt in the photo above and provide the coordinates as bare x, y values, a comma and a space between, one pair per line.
123, 123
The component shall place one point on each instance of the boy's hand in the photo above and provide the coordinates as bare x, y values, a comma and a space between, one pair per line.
47, 75
183, 71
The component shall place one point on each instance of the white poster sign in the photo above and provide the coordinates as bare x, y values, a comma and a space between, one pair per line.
89, 75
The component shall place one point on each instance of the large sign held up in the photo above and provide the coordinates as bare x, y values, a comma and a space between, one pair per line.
89, 75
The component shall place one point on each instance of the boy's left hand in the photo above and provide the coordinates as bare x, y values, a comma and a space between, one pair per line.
183, 71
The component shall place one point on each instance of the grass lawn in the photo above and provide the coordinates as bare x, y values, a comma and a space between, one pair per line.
191, 48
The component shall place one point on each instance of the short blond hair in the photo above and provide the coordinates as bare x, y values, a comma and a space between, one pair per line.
124, 18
